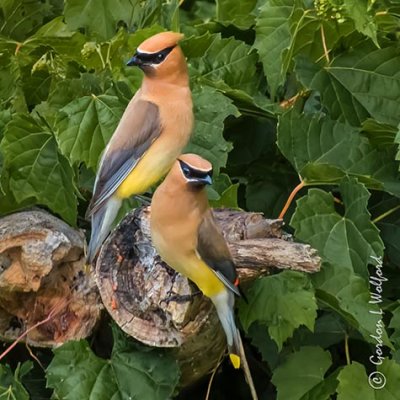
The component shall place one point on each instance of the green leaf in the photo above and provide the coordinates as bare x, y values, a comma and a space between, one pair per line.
354, 384
66, 91
380, 135
273, 37
323, 151
35, 167
228, 64
211, 108
20, 18
358, 11
55, 34
390, 231
85, 125
268, 349
10, 383
195, 46
132, 372
348, 294
301, 372
238, 13
349, 240
283, 302
329, 330
286, 28
357, 84
77, 373
11, 83
395, 325
222, 193
98, 18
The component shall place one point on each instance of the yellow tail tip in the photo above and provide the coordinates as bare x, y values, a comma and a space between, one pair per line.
235, 360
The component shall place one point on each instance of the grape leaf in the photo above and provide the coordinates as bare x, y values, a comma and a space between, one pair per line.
238, 13
283, 302
36, 168
228, 64
10, 383
349, 240
19, 18
98, 18
358, 11
357, 84
348, 294
301, 372
85, 125
273, 37
211, 108
323, 151
354, 383
132, 372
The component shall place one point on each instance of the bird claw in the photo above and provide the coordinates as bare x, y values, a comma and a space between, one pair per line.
180, 298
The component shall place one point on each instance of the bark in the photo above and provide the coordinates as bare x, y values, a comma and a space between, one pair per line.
136, 286
42, 268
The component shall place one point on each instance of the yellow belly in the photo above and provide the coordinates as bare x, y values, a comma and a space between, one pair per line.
205, 279
198, 272
148, 171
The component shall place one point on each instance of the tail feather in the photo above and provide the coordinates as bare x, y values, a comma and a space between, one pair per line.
224, 303
102, 220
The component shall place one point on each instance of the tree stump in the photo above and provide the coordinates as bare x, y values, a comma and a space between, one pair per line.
135, 284
42, 267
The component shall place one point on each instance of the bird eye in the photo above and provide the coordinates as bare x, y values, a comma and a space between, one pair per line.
160, 57
186, 170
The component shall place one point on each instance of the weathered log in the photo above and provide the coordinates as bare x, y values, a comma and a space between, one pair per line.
41, 270
136, 286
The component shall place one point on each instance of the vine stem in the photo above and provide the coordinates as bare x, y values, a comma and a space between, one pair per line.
247, 374
386, 214
210, 382
346, 348
326, 52
290, 199
56, 309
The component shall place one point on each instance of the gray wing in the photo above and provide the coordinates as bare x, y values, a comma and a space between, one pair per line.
139, 127
214, 251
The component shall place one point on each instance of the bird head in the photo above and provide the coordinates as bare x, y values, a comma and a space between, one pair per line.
193, 171
160, 56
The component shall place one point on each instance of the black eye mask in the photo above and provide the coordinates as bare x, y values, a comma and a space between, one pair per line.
154, 58
191, 173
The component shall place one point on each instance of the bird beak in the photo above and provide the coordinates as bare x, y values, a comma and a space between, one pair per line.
207, 180
134, 61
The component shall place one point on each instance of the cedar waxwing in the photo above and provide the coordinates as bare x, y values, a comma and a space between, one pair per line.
153, 130
187, 238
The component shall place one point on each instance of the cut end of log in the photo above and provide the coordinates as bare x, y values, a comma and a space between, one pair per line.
42, 268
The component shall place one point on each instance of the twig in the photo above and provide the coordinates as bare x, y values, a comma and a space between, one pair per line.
34, 356
56, 309
247, 374
290, 199
212, 376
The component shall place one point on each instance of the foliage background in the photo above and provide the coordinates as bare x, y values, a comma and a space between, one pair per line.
284, 91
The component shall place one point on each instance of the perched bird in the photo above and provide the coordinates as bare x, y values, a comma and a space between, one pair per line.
187, 238
153, 130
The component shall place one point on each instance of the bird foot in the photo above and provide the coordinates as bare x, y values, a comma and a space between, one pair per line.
180, 298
